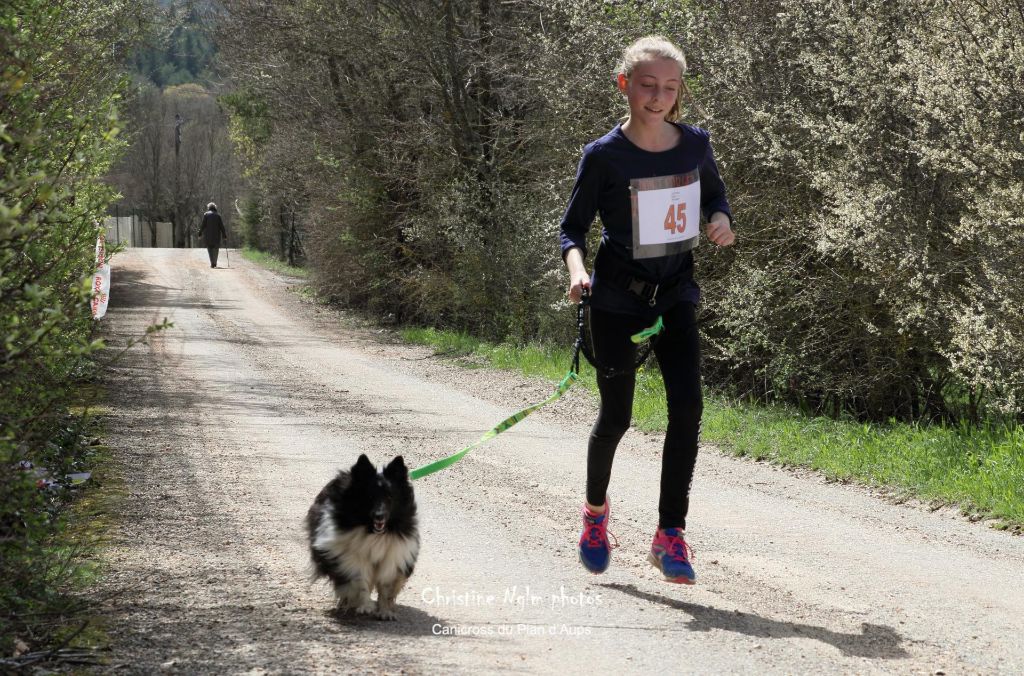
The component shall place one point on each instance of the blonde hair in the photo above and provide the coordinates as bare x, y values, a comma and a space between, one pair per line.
658, 47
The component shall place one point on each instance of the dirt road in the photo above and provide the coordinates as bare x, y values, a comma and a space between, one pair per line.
227, 425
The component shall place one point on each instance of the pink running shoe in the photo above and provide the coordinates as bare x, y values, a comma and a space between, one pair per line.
671, 555
595, 549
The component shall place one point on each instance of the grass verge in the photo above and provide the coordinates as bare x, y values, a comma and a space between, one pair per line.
50, 621
979, 469
274, 263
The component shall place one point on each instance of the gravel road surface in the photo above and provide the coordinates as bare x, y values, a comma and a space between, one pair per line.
227, 425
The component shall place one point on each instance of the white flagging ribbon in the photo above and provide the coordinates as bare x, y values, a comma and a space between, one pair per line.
100, 280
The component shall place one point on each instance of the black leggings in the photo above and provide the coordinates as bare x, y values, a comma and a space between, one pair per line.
678, 354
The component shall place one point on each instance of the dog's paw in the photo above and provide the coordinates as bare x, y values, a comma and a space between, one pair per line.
387, 614
366, 608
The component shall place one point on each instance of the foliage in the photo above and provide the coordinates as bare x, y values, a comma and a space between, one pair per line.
873, 156
59, 89
252, 225
272, 217
185, 52
412, 196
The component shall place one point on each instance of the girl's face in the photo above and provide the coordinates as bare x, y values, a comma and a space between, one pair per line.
652, 89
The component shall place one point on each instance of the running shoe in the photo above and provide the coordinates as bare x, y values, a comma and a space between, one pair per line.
671, 555
595, 549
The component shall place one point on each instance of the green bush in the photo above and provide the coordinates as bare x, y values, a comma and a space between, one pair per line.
873, 156
59, 86
875, 163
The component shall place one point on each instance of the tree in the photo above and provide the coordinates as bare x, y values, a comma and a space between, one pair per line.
870, 155
424, 163
143, 181
180, 158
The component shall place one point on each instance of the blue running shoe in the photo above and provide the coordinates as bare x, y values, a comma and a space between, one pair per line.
671, 555
595, 550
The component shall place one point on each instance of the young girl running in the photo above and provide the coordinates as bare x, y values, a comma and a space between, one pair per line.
650, 178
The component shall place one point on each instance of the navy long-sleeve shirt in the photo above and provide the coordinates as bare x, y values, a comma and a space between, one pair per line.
603, 187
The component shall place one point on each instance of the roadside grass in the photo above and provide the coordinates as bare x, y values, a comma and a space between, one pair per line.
86, 530
58, 625
981, 469
273, 262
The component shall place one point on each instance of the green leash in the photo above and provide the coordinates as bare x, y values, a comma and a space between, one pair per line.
508, 422
649, 332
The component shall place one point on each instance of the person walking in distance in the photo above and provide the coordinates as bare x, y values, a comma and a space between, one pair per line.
211, 231
651, 178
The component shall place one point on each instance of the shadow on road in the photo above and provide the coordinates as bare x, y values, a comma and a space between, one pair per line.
129, 290
411, 622
875, 640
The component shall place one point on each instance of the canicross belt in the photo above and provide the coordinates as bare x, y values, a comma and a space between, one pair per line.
608, 268
638, 286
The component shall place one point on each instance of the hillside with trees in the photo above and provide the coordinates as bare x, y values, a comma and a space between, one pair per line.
179, 155
182, 49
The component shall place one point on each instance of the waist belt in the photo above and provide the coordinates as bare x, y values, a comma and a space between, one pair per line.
638, 286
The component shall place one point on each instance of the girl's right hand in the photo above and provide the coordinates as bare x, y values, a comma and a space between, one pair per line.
578, 277
576, 286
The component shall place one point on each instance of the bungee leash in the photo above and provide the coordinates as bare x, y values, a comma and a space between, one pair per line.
508, 422
562, 388
651, 332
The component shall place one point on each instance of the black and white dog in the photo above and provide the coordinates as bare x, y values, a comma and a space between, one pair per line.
363, 535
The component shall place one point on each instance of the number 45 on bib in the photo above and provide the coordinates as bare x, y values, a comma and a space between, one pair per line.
666, 214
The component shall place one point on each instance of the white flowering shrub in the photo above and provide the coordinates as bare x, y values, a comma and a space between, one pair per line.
874, 154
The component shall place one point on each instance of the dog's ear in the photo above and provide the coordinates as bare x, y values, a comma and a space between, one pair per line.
396, 470
363, 467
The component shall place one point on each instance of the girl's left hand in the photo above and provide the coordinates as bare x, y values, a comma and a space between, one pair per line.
719, 231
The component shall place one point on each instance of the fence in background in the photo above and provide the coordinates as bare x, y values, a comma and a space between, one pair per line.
134, 232
125, 227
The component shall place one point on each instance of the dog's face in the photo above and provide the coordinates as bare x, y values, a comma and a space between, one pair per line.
379, 494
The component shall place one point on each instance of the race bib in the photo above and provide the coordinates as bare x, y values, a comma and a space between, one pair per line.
666, 214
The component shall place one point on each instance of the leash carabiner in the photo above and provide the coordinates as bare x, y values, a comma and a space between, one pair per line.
652, 333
